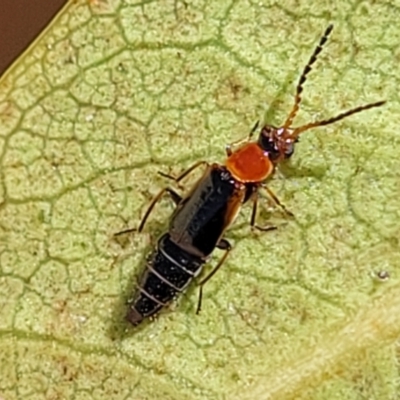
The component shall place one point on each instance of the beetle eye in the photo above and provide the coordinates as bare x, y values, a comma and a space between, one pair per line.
267, 141
289, 148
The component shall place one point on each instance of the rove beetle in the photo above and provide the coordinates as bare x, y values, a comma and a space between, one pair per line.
201, 218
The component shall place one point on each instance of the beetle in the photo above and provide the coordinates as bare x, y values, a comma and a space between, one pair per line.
201, 217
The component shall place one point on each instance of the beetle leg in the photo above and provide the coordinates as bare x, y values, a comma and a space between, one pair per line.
272, 195
184, 173
228, 147
253, 224
176, 198
253, 130
223, 244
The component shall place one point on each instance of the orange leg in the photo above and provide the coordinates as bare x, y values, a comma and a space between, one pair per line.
272, 195
184, 173
253, 224
176, 198
223, 245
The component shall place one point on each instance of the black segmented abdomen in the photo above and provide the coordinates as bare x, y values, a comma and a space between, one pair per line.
168, 272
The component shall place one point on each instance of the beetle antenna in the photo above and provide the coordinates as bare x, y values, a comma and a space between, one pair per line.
303, 77
297, 131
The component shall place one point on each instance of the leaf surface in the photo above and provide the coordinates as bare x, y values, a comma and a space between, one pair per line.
115, 91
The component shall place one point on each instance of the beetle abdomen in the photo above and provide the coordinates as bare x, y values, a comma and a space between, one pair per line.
168, 272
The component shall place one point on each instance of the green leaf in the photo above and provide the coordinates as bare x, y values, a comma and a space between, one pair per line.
115, 91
